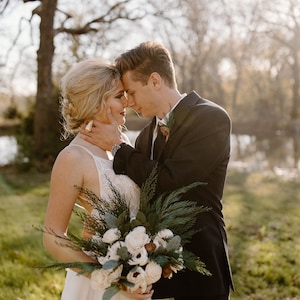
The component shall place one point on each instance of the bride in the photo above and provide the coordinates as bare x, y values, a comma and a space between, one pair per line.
88, 90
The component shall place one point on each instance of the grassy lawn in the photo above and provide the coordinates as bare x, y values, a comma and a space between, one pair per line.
262, 215
263, 218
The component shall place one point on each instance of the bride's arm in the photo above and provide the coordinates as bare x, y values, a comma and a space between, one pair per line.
67, 172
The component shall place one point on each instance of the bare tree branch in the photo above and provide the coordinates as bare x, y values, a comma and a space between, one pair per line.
113, 14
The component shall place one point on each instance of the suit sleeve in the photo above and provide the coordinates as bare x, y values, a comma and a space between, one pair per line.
196, 151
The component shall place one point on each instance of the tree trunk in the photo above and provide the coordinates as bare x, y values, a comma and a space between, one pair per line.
296, 84
46, 110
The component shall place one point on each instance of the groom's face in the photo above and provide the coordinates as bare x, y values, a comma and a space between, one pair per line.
141, 97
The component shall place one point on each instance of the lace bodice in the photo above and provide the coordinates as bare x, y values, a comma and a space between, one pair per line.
122, 183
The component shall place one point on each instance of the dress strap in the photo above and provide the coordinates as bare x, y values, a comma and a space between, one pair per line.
84, 148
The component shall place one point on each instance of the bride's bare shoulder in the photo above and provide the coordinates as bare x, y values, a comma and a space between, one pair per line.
72, 155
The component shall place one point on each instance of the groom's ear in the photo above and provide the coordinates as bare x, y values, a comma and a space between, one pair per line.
155, 80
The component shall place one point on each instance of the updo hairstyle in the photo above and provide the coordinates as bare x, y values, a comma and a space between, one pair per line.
84, 91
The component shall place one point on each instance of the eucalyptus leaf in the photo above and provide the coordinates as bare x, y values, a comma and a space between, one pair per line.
110, 264
110, 292
174, 243
111, 220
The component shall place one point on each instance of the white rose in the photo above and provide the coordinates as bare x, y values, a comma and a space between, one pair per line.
153, 272
139, 258
137, 276
136, 239
102, 279
115, 275
162, 236
111, 235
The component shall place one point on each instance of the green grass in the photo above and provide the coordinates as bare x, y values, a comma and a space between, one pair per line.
23, 202
262, 215
263, 218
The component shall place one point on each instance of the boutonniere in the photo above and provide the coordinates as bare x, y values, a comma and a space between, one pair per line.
165, 130
166, 125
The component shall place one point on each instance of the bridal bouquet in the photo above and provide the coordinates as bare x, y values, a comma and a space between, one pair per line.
135, 252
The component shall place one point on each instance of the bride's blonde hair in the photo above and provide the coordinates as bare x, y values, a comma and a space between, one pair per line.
84, 91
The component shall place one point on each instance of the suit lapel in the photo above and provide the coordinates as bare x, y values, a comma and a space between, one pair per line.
182, 110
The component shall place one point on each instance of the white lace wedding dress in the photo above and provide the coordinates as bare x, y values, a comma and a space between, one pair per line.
77, 287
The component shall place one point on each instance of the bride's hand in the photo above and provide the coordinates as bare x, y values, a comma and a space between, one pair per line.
139, 295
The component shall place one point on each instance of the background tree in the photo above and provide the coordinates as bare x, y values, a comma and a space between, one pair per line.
46, 106
243, 55
93, 23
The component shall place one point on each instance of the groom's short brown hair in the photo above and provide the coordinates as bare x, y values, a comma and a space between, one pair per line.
145, 59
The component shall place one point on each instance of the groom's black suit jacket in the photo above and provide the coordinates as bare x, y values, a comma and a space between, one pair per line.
198, 149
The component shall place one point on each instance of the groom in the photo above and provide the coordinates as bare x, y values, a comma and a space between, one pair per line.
196, 148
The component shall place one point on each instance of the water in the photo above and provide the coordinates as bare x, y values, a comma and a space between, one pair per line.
276, 154
8, 149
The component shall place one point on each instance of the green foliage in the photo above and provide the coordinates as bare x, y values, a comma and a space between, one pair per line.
179, 216
262, 216
24, 137
12, 112
27, 156
168, 211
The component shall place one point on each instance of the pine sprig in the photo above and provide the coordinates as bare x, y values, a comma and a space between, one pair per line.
169, 211
83, 267
148, 190
193, 263
109, 210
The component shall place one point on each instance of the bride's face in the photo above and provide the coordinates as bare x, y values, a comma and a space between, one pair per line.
117, 103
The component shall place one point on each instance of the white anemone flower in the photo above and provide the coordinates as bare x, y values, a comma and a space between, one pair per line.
137, 276
139, 258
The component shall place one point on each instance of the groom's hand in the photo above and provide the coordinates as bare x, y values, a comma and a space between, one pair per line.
103, 135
